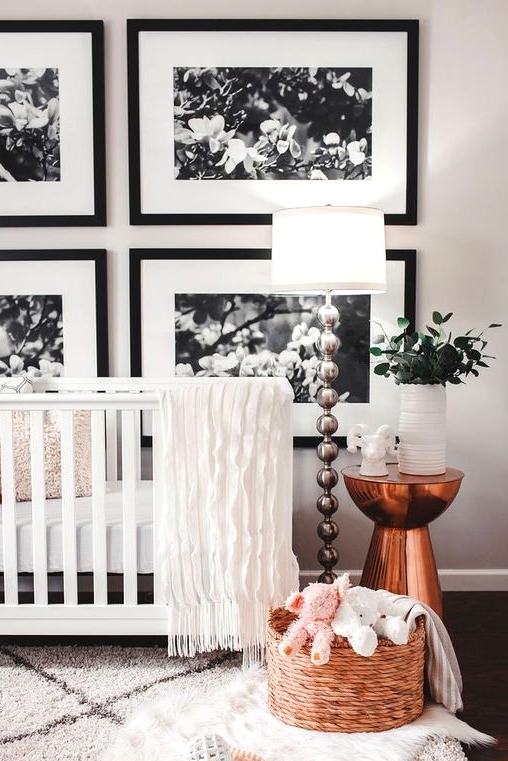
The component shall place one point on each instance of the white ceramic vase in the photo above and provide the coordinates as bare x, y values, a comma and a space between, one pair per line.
422, 429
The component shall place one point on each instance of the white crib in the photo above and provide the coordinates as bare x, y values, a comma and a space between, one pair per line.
113, 534
112, 531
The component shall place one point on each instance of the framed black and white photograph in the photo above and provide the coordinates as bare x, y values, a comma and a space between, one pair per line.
53, 312
232, 120
52, 136
210, 312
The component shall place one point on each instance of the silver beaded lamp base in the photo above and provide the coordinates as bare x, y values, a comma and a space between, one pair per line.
327, 451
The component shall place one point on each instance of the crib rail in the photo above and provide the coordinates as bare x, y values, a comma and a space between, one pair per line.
115, 408
80, 401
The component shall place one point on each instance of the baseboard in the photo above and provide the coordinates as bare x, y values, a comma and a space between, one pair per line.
451, 579
474, 579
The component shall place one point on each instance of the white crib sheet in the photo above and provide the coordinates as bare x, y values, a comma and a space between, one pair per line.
144, 510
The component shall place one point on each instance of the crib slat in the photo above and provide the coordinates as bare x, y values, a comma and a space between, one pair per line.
9, 511
70, 570
38, 508
158, 497
100, 579
129, 444
137, 435
112, 445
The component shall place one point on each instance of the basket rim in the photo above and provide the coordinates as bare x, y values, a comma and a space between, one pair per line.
339, 641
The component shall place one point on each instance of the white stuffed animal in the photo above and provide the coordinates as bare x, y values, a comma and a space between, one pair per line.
361, 618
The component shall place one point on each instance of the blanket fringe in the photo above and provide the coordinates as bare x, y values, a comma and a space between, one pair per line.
222, 625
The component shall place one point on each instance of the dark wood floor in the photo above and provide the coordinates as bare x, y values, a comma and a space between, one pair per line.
478, 626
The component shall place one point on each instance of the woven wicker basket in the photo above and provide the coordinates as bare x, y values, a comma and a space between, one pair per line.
350, 693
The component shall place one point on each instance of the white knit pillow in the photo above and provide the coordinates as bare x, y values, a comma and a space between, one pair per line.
53, 455
52, 447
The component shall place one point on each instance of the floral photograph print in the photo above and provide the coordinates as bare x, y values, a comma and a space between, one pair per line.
53, 312
212, 312
272, 123
217, 105
31, 334
29, 125
254, 335
52, 124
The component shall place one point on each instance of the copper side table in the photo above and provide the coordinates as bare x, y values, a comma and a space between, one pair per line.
400, 557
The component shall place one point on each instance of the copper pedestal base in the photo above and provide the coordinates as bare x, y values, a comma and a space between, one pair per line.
400, 557
402, 561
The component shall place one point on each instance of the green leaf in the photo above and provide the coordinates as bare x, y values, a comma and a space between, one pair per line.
433, 356
376, 351
402, 322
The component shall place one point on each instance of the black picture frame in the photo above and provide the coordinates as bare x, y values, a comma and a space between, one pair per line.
153, 272
79, 278
77, 143
157, 198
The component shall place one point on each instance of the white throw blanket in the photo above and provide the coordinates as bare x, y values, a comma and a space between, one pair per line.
226, 543
441, 665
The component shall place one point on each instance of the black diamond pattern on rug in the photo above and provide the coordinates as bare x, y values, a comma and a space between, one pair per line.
67, 703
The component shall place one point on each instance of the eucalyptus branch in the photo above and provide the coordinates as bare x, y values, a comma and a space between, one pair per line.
432, 357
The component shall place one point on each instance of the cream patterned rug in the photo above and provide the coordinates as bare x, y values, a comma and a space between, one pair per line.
68, 703
73, 703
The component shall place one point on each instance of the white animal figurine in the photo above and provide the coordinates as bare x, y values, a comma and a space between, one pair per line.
361, 619
374, 447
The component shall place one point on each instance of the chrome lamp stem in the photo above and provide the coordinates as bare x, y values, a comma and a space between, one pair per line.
327, 450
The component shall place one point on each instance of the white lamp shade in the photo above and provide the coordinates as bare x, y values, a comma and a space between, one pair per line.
329, 248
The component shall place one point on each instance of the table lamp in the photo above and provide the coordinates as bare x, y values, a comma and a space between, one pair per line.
349, 243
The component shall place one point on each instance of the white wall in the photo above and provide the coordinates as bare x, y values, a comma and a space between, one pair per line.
460, 238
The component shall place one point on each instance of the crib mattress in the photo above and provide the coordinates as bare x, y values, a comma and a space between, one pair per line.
144, 511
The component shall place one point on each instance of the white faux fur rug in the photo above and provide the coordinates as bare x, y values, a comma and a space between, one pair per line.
239, 712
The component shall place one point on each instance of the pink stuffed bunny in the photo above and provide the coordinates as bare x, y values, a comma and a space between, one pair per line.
316, 607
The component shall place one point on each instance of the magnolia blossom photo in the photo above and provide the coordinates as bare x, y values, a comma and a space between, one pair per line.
29, 125
272, 123
31, 334
253, 335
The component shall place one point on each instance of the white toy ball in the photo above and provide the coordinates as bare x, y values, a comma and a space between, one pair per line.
207, 746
